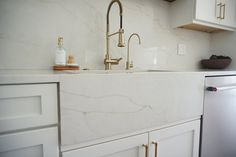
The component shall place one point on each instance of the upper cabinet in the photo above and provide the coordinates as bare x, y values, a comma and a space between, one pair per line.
204, 15
228, 13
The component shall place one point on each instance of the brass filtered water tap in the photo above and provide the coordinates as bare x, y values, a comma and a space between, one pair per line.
108, 61
129, 64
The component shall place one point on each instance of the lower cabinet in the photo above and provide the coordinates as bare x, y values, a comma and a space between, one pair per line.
29, 120
177, 141
180, 140
33, 143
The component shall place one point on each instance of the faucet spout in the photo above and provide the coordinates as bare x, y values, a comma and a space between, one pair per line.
108, 61
108, 13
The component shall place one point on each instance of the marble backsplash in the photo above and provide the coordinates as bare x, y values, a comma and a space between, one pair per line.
223, 43
29, 31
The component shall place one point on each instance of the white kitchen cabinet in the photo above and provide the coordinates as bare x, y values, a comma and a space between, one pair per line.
33, 143
29, 120
208, 16
181, 140
134, 146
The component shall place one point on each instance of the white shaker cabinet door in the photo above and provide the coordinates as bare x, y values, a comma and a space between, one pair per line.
134, 146
35, 143
208, 10
177, 141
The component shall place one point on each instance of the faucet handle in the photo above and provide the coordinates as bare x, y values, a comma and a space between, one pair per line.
119, 59
116, 61
113, 61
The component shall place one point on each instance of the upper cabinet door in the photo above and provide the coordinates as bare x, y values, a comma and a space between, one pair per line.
228, 13
208, 11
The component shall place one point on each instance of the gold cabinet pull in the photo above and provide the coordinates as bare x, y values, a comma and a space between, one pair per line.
146, 149
155, 145
220, 6
223, 6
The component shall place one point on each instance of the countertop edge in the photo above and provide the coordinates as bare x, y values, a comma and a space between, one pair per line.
49, 76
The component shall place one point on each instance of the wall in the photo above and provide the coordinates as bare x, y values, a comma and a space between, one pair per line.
29, 31
223, 43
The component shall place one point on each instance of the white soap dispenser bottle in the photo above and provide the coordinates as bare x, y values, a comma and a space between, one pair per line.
60, 53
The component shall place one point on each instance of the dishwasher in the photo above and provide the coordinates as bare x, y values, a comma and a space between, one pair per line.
218, 136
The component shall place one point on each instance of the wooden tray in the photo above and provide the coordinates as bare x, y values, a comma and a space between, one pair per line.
67, 67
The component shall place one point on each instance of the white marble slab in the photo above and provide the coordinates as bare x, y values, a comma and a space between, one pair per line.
29, 31
95, 106
27, 76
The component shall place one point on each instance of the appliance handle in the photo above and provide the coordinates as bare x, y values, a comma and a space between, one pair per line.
222, 88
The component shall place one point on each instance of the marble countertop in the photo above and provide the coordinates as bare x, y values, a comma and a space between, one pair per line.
27, 76
44, 76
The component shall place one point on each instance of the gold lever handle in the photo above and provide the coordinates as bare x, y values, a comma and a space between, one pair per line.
156, 145
112, 61
146, 149
116, 61
119, 59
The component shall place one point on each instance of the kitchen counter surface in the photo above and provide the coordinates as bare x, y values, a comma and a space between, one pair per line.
44, 76
27, 76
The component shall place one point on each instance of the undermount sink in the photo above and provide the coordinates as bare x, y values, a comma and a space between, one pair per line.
113, 71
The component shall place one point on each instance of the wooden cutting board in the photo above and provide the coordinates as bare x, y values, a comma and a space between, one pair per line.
66, 67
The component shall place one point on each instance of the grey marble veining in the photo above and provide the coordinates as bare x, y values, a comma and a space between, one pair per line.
29, 31
97, 106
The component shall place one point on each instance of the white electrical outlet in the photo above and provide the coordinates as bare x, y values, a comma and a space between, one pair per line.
181, 49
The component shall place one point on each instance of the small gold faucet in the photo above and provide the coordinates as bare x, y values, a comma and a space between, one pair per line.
108, 61
129, 64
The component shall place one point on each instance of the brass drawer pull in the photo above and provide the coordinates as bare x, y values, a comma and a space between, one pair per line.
146, 149
156, 145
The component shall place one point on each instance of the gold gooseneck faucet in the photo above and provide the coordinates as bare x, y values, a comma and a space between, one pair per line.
129, 64
108, 61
